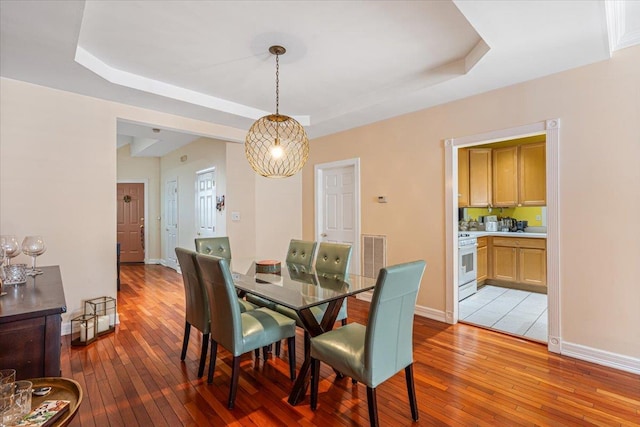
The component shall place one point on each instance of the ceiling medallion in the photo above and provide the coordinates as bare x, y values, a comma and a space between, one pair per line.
276, 145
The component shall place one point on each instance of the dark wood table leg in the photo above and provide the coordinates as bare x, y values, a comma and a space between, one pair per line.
314, 329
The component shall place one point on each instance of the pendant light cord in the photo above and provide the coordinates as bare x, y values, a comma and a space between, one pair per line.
277, 84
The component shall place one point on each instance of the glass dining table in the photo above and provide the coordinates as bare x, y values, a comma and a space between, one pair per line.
299, 290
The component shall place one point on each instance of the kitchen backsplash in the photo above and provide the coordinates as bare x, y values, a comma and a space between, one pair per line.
535, 215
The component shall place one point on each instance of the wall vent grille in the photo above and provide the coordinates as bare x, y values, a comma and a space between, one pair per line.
374, 254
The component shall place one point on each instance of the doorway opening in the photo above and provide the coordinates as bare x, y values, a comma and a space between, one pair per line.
550, 130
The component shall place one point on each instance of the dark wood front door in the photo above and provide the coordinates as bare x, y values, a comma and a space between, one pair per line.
130, 202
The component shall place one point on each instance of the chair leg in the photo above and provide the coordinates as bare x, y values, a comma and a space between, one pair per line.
315, 380
265, 350
203, 354
257, 353
278, 347
411, 389
185, 341
212, 360
344, 322
307, 343
235, 372
291, 346
373, 407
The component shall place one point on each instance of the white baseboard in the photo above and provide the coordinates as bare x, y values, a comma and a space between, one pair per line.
65, 327
421, 311
602, 357
431, 313
365, 296
154, 261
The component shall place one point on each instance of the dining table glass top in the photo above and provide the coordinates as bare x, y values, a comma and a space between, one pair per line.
294, 286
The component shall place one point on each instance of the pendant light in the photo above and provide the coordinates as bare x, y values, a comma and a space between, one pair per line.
276, 145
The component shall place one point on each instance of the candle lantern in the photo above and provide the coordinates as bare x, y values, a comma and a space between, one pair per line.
104, 308
84, 329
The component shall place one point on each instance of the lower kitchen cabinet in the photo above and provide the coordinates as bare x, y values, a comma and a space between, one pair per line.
483, 254
522, 261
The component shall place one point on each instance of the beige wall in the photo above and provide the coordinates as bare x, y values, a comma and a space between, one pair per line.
241, 196
147, 170
57, 179
599, 109
280, 219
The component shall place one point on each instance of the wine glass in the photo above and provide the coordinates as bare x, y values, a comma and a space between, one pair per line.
10, 246
33, 246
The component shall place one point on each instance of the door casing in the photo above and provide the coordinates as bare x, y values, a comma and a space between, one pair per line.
551, 128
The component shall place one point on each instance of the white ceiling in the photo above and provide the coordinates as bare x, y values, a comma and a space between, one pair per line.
347, 63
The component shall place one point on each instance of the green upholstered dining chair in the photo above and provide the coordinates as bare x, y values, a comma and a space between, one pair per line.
375, 353
301, 254
196, 305
216, 246
239, 332
333, 262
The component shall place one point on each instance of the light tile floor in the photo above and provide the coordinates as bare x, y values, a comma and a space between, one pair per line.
509, 310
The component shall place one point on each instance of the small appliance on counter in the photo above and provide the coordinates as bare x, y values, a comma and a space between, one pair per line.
521, 226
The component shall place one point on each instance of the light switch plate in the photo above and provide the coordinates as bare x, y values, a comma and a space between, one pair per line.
235, 216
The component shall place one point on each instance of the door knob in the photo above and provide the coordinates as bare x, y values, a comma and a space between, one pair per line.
323, 235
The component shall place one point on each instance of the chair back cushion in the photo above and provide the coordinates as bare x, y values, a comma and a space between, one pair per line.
216, 246
301, 253
226, 324
333, 259
389, 337
196, 301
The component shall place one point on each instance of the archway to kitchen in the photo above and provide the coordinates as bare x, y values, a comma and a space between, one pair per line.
550, 129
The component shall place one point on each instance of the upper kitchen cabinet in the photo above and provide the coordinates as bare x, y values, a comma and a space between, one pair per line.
505, 176
463, 177
533, 175
479, 177
519, 175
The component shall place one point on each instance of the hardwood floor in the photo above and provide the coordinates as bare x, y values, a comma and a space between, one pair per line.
464, 376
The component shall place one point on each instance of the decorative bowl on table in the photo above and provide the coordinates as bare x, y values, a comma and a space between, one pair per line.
268, 266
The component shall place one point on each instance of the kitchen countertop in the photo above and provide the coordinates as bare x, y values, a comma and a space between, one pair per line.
505, 234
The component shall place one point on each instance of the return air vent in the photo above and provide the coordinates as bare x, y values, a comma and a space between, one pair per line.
374, 254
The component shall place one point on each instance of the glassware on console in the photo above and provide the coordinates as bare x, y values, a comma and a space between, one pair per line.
10, 245
33, 246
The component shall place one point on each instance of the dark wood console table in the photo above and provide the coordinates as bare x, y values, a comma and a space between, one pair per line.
30, 322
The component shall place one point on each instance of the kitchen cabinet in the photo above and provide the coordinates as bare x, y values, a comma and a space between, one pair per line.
482, 259
520, 260
463, 177
505, 176
533, 174
519, 175
479, 177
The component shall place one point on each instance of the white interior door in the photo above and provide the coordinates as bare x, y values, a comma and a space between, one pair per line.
171, 223
206, 203
338, 206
